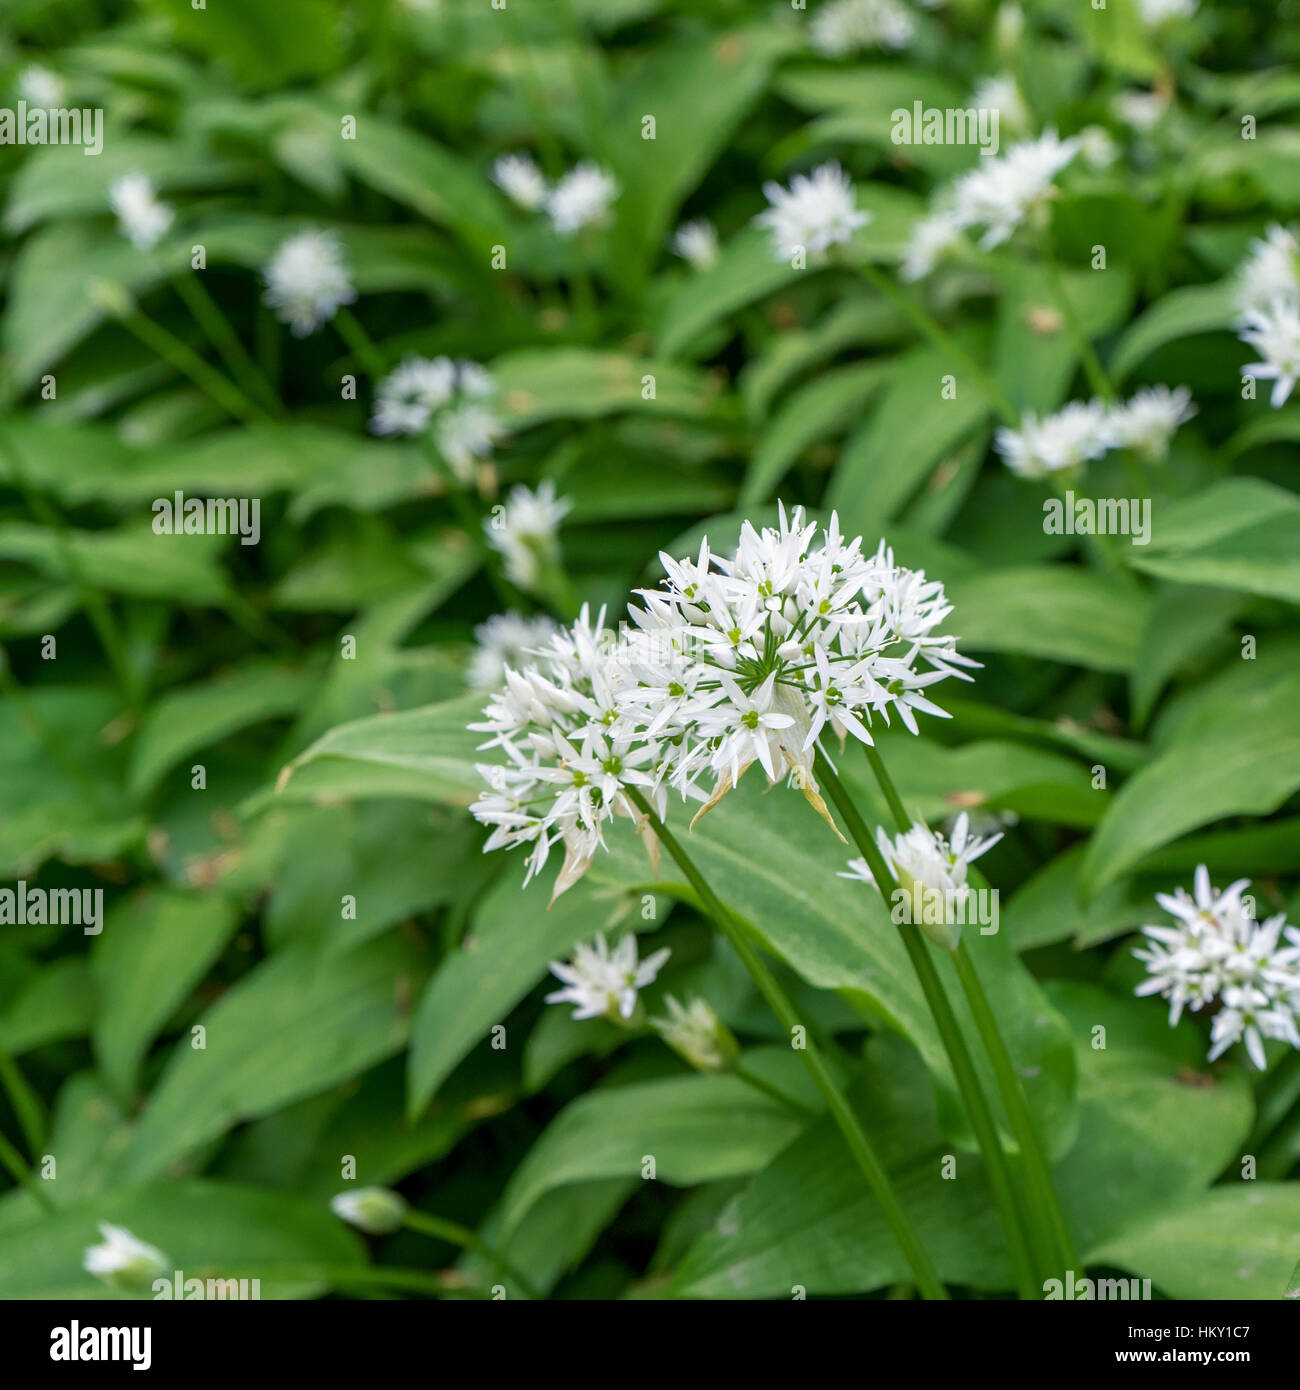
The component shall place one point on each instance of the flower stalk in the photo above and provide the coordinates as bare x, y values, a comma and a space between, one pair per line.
859, 1145
977, 1107
1012, 1092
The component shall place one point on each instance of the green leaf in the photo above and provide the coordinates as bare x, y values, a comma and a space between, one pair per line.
1057, 612
822, 407
206, 1229
185, 720
297, 1024
1238, 757
577, 384
513, 937
56, 1004
154, 949
427, 753
1178, 314
1238, 1241
903, 440
1241, 534
697, 1128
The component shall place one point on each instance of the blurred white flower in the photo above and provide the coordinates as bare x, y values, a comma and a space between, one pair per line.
927, 243
1275, 334
465, 434
507, 641
1271, 270
602, 984
1216, 951
1140, 110
1080, 431
307, 282
932, 873
519, 178
840, 27
1150, 419
582, 198
815, 213
1001, 193
38, 86
1001, 94
407, 397
524, 529
375, 1210
1097, 148
140, 216
697, 243
123, 1261
1157, 12
697, 1035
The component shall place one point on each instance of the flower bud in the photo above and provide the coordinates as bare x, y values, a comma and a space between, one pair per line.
374, 1210
697, 1035
122, 1261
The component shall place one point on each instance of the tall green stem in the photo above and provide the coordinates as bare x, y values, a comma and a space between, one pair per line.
859, 1145
1033, 1157
977, 1107
439, 1228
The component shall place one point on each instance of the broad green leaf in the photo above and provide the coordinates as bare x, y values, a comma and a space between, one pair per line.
206, 1229
823, 407
1238, 757
1237, 1241
185, 720
574, 383
1240, 534
154, 949
56, 1004
513, 937
297, 1024
1058, 613
1178, 314
697, 1129
427, 753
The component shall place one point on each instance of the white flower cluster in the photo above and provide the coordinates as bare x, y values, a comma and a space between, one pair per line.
140, 216
815, 213
523, 531
932, 872
841, 27
507, 641
1268, 306
600, 984
697, 1035
582, 198
1086, 430
452, 397
995, 198
307, 282
1217, 952
755, 657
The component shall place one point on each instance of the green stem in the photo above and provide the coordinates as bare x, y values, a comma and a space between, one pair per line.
849, 1125
209, 317
360, 344
977, 1107
24, 1102
941, 338
1098, 380
22, 1174
1009, 1087
189, 364
1017, 1108
439, 1228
